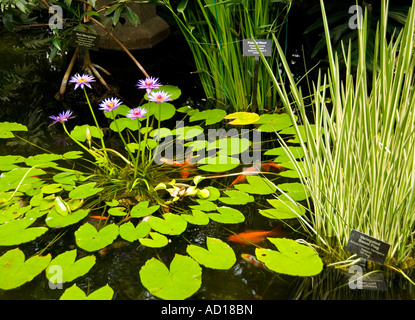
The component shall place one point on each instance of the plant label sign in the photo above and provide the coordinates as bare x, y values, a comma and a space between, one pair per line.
367, 247
249, 49
84, 40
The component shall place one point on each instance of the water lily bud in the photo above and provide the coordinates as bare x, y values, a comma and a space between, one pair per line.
204, 193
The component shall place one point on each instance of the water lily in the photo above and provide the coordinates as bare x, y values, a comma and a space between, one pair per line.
149, 84
82, 80
110, 104
136, 113
61, 117
159, 97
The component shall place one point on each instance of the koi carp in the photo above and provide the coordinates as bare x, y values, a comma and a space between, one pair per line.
186, 165
254, 261
250, 237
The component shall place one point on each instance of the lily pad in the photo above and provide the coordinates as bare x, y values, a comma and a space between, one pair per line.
218, 164
236, 197
204, 205
23, 178
6, 129
230, 146
12, 211
67, 268
181, 281
291, 258
56, 220
43, 160
257, 185
132, 233
187, 132
75, 293
243, 118
218, 255
142, 209
117, 211
295, 190
302, 131
297, 153
121, 124
79, 132
227, 215
283, 209
18, 231
7, 163
90, 239
197, 217
15, 271
274, 122
161, 111
210, 116
171, 224
84, 191
157, 240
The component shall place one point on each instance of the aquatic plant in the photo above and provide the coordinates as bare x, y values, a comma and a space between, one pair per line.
358, 164
149, 193
214, 31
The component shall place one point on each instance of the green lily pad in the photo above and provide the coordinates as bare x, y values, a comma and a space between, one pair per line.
295, 190
197, 217
188, 132
210, 116
164, 132
283, 209
43, 160
292, 173
257, 185
236, 197
302, 131
166, 111
79, 132
121, 124
18, 231
121, 110
52, 188
24, 178
142, 209
230, 146
64, 268
274, 122
89, 239
6, 129
7, 163
157, 240
61, 206
117, 211
75, 293
291, 258
171, 224
15, 271
12, 211
218, 255
243, 118
227, 215
69, 178
84, 191
218, 164
130, 233
72, 155
181, 281
204, 205
297, 153
56, 220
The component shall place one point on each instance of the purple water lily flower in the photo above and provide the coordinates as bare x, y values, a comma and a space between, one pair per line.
110, 104
82, 80
149, 84
136, 113
61, 117
159, 97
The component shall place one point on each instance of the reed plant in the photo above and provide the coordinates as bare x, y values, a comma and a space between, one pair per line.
214, 30
359, 142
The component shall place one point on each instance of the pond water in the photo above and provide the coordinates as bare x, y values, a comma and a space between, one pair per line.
30, 101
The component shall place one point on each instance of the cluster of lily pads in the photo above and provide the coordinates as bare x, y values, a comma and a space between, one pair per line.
44, 192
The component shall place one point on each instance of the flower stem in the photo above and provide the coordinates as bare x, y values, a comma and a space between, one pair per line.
122, 139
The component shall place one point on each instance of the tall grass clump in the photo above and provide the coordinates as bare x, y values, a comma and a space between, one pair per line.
359, 142
214, 30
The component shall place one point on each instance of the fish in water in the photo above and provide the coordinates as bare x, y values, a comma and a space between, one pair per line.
253, 260
250, 237
186, 165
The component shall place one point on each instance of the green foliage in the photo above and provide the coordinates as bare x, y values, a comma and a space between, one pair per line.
90, 239
178, 282
75, 293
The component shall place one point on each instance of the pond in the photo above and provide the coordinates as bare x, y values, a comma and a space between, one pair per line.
31, 99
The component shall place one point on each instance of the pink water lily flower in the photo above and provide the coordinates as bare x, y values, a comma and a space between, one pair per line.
149, 84
61, 117
110, 104
159, 96
136, 113
82, 80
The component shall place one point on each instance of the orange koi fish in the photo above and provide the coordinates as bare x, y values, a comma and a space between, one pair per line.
186, 165
98, 217
268, 165
253, 260
250, 237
